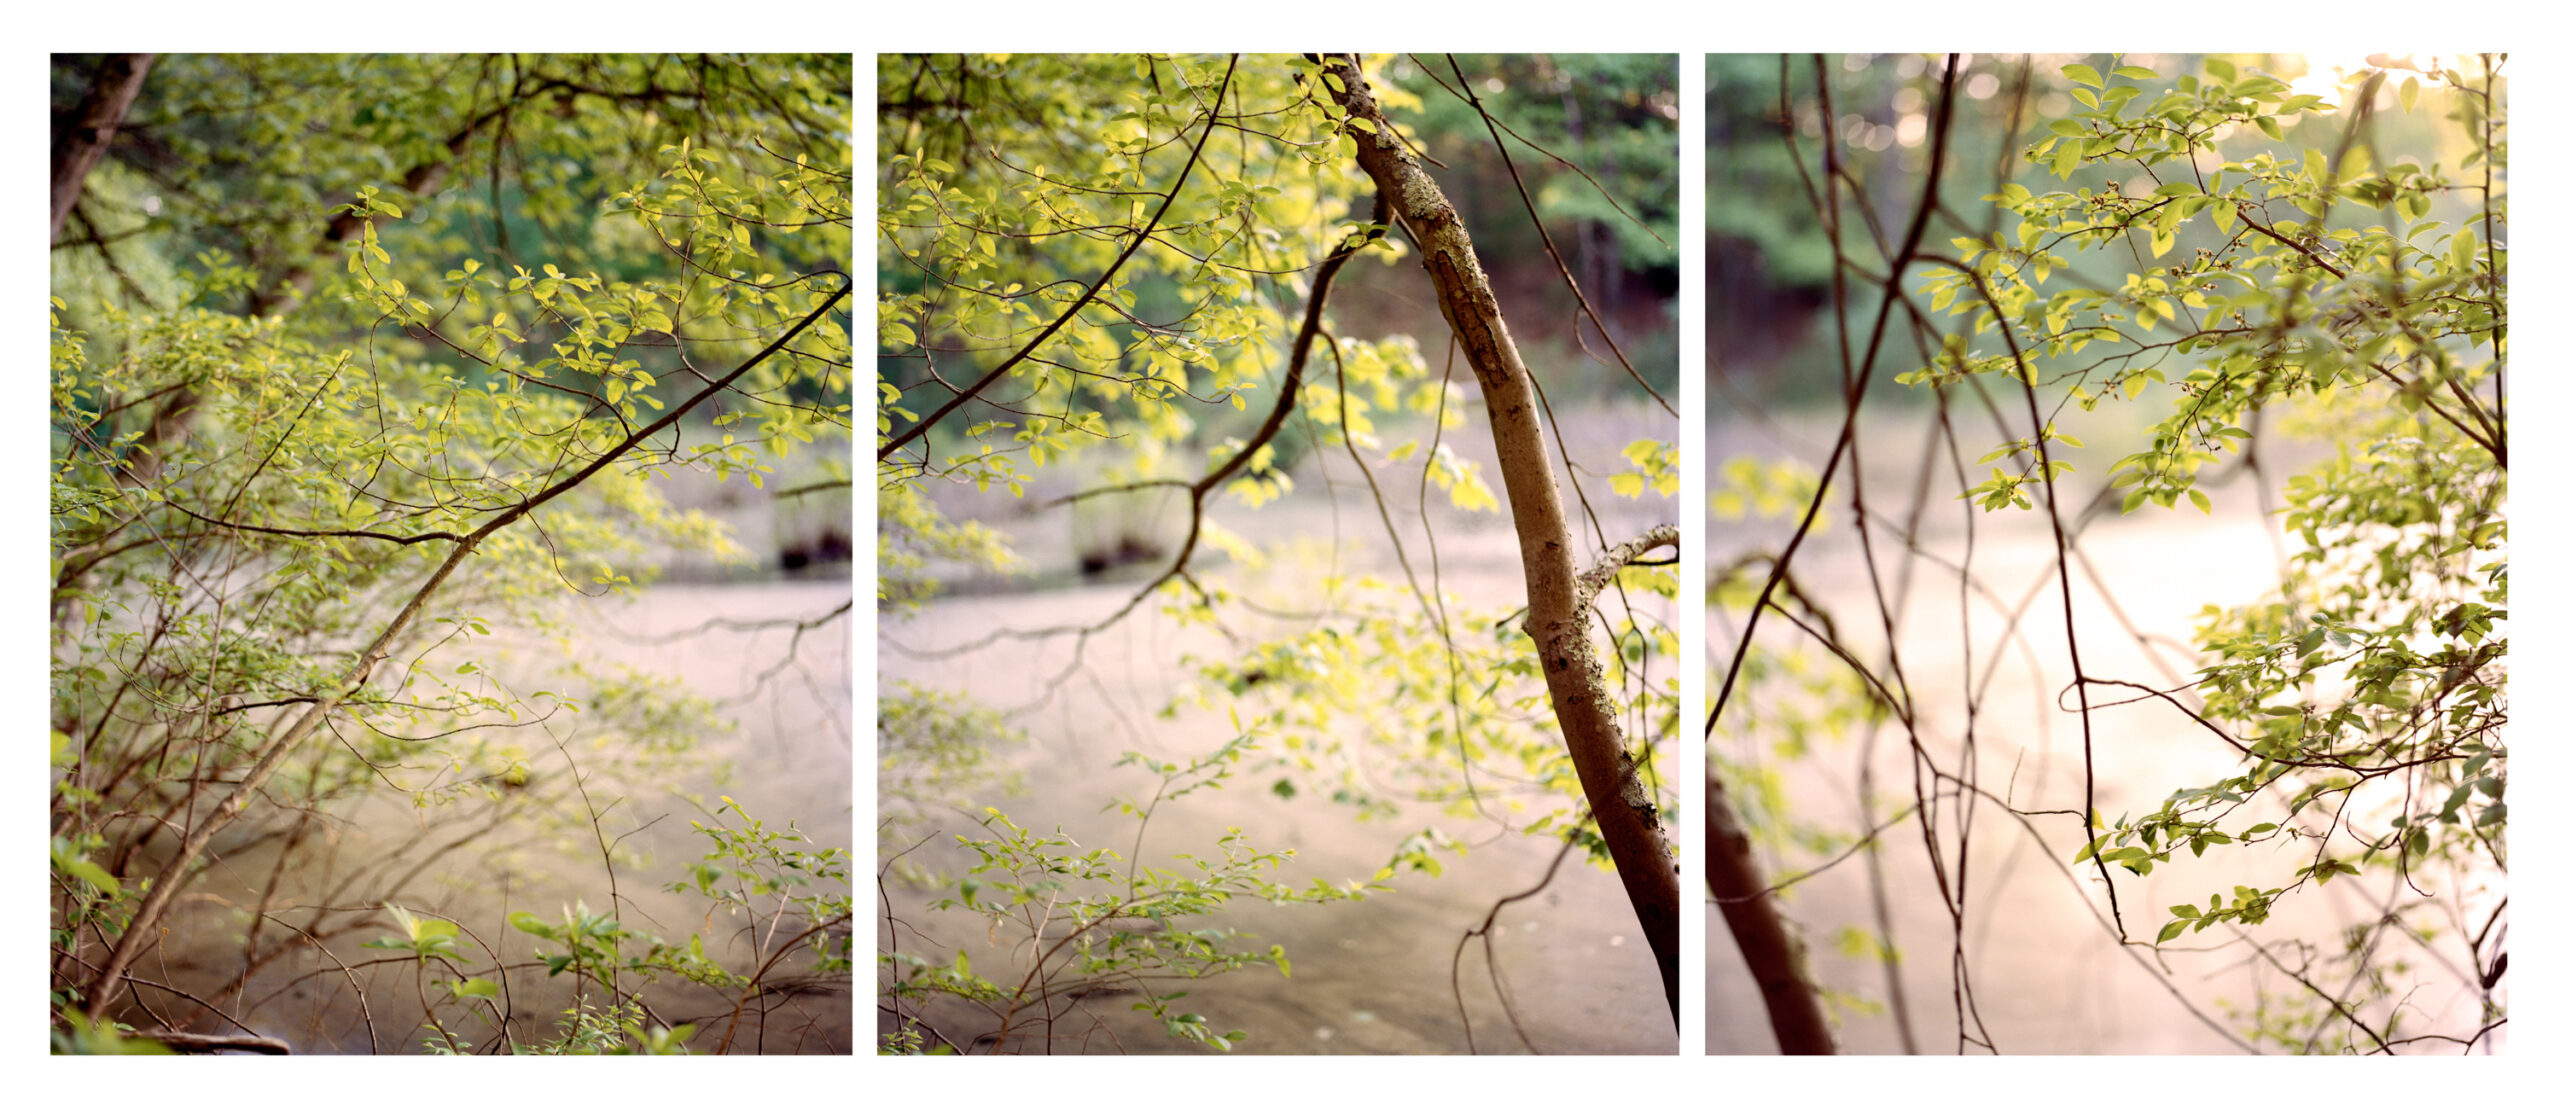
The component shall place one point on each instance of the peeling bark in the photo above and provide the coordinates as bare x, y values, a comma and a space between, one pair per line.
1557, 617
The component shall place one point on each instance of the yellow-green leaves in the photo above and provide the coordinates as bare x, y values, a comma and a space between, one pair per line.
425, 937
1656, 467
2065, 158
1226, 540
69, 861
1767, 488
1462, 479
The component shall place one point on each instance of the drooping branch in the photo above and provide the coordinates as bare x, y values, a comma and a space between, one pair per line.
1575, 672
144, 927
1136, 241
1196, 492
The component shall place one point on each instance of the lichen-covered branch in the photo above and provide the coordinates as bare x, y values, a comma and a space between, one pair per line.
1618, 557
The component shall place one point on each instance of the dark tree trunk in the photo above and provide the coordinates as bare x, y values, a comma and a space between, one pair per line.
81, 138
1751, 911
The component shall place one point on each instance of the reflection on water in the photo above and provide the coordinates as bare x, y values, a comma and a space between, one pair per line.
787, 759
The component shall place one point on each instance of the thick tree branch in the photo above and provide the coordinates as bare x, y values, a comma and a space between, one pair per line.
1775, 955
1576, 684
1618, 557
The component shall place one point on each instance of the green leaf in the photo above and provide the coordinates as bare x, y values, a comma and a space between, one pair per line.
2084, 75
96, 876
2261, 87
2066, 158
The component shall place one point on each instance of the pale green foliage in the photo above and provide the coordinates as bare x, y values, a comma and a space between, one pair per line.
984, 244
1466, 728
80, 1035
1194, 199
2186, 269
261, 454
1095, 924
934, 744
1656, 469
620, 1029
2368, 696
914, 536
1765, 488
